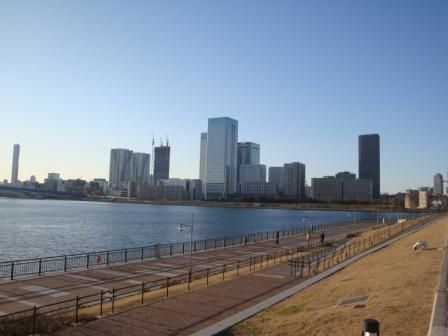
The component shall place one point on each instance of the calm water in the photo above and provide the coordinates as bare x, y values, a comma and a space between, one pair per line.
37, 228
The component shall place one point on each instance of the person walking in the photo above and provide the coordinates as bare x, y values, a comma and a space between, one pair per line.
277, 238
308, 237
322, 237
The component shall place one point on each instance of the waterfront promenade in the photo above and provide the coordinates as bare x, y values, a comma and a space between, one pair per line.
25, 293
200, 310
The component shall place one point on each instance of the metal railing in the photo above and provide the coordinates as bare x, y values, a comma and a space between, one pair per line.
64, 263
48, 318
328, 257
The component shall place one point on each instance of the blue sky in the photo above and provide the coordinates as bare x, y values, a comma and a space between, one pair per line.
303, 78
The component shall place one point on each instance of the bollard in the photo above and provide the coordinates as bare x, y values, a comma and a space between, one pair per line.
370, 327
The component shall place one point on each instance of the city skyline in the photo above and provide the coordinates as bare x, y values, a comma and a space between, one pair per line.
300, 74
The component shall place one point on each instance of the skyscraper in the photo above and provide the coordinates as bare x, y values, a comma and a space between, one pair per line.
15, 164
369, 161
119, 167
203, 157
294, 180
248, 154
161, 163
438, 184
139, 167
276, 177
221, 157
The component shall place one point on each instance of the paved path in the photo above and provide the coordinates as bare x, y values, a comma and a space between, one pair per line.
22, 294
212, 309
438, 325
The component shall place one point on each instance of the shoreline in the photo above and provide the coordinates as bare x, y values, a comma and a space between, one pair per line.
241, 205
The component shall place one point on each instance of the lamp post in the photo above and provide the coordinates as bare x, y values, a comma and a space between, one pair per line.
310, 228
310, 218
181, 229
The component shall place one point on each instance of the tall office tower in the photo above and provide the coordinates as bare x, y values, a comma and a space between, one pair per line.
221, 157
161, 163
369, 160
248, 154
294, 180
119, 167
276, 177
203, 158
139, 167
15, 164
438, 184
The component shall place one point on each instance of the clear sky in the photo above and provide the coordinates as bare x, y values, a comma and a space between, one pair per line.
303, 78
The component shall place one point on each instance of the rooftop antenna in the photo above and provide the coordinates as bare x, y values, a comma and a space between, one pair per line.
167, 141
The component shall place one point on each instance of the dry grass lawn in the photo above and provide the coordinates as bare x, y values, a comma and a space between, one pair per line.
401, 284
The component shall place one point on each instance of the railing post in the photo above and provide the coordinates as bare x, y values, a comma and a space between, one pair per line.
125, 256
12, 270
101, 303
141, 254
77, 308
113, 300
207, 276
171, 249
65, 263
40, 266
223, 271
34, 320
189, 278
107, 258
88, 258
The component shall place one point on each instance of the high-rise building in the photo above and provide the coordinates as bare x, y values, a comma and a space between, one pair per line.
119, 168
369, 160
203, 161
252, 173
161, 163
222, 140
344, 186
346, 176
139, 167
276, 177
15, 164
54, 176
327, 188
294, 180
411, 199
423, 198
438, 184
357, 190
248, 154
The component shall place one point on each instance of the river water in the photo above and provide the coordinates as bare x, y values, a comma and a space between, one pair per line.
39, 228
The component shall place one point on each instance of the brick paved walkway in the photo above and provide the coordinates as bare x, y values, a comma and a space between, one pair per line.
21, 294
191, 312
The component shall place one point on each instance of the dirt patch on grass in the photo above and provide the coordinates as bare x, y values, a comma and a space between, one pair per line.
400, 282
